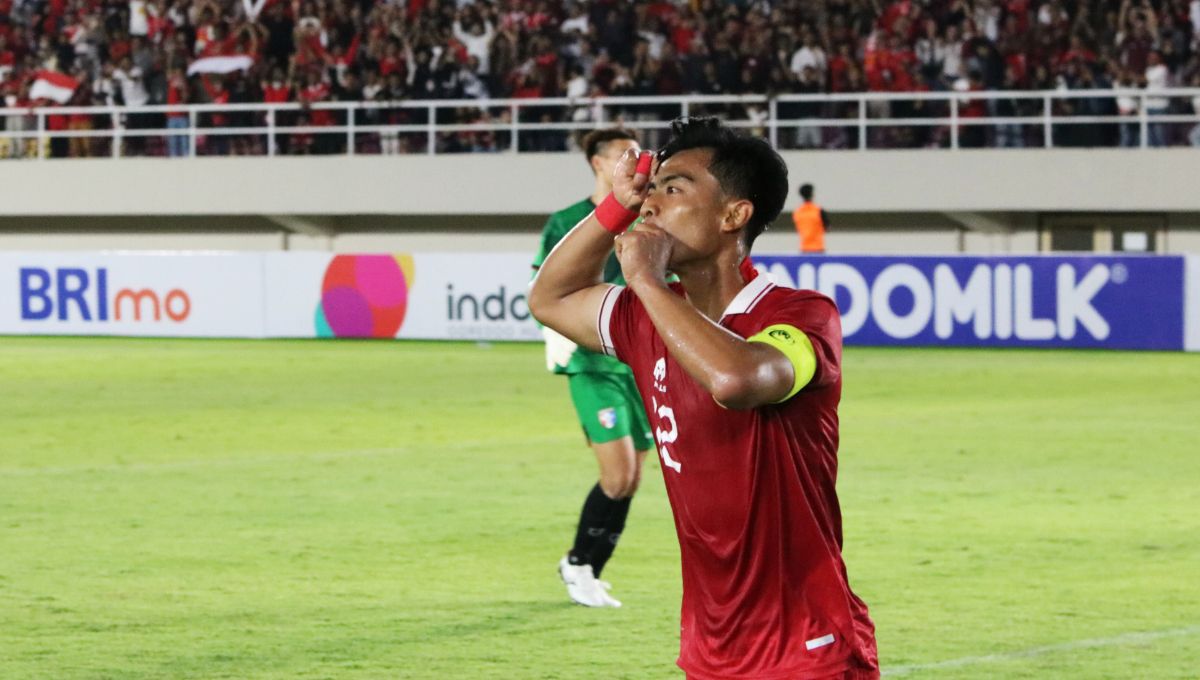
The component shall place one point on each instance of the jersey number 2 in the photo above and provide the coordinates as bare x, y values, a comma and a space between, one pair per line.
666, 417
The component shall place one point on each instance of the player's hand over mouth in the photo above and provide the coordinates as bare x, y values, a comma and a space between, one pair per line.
644, 252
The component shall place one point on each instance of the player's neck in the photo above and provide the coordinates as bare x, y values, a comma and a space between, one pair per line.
712, 285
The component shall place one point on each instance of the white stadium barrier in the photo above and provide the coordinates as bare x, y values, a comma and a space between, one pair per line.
1046, 114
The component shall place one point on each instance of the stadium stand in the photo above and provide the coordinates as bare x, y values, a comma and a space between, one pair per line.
148, 52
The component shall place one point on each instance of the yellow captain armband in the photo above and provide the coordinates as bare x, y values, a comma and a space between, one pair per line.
796, 346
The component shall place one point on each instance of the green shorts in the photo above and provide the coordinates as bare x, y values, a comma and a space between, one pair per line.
609, 408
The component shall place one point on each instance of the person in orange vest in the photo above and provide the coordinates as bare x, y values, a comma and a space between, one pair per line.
811, 222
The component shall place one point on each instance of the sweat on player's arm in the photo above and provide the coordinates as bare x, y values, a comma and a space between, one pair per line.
768, 367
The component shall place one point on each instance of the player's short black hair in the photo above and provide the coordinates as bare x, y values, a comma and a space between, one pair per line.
745, 167
806, 191
594, 141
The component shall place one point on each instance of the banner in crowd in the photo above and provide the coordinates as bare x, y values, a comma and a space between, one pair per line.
53, 85
221, 64
1129, 302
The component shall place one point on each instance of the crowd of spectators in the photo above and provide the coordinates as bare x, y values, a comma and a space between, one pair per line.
137, 52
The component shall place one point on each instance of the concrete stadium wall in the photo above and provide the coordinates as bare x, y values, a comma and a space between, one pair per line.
852, 234
885, 202
847, 239
488, 184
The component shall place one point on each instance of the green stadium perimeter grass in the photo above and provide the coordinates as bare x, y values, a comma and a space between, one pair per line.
241, 509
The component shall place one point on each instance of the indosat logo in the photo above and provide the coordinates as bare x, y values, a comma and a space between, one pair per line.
78, 294
364, 296
996, 301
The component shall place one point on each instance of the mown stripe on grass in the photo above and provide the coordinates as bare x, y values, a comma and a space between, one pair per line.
1074, 645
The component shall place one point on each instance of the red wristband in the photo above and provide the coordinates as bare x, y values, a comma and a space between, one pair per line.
614, 217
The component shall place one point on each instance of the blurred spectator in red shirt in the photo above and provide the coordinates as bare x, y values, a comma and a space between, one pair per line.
214, 88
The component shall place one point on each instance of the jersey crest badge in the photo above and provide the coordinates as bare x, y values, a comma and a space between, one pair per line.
608, 417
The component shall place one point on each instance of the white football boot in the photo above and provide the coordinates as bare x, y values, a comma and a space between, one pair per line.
582, 587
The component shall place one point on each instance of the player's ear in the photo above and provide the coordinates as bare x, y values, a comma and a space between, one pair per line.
737, 215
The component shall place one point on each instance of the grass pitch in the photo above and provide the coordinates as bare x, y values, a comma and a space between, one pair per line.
227, 509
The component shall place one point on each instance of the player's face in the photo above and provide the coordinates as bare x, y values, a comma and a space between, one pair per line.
686, 201
605, 162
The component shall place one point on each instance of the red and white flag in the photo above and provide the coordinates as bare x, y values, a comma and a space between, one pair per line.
53, 85
222, 64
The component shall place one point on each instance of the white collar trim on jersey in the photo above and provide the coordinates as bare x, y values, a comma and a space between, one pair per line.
749, 296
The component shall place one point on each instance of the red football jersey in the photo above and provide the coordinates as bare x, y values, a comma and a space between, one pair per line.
765, 592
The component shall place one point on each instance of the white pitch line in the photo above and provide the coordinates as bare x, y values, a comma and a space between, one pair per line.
1125, 639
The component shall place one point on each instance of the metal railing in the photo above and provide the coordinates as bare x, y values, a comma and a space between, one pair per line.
951, 120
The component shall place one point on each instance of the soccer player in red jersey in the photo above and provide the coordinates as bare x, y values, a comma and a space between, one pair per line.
741, 381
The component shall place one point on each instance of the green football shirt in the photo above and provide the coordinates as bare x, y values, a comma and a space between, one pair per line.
559, 224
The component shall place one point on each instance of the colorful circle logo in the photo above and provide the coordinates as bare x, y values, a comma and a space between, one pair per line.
364, 296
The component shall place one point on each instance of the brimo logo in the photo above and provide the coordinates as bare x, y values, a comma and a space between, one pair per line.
996, 300
47, 293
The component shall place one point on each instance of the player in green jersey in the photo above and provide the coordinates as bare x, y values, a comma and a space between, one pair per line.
605, 397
